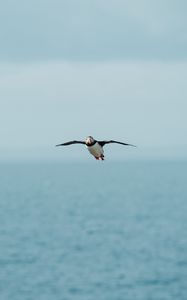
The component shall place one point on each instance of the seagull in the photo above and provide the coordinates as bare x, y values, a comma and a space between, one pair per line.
94, 147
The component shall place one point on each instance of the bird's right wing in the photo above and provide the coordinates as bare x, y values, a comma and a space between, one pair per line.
71, 143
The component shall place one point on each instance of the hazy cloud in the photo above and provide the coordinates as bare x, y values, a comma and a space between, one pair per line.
143, 103
93, 30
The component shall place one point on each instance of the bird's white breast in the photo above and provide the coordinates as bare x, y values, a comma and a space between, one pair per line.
95, 150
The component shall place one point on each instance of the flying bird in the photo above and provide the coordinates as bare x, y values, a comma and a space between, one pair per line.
94, 147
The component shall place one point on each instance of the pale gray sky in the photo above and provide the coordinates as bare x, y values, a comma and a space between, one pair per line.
114, 69
93, 30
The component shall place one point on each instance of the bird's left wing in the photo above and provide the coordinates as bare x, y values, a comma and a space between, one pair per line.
102, 143
71, 143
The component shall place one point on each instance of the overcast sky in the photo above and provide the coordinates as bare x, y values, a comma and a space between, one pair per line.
111, 69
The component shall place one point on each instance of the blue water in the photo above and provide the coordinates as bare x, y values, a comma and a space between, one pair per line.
105, 231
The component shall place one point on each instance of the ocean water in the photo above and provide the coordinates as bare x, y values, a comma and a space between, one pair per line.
105, 231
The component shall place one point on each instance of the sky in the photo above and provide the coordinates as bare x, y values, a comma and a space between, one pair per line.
111, 69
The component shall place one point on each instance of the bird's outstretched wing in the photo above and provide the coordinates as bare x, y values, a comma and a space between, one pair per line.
71, 143
102, 143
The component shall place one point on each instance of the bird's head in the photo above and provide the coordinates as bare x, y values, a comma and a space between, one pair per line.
89, 141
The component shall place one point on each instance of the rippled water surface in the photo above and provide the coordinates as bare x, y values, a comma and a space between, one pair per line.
105, 231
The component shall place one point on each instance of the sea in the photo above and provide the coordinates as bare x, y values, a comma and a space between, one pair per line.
93, 231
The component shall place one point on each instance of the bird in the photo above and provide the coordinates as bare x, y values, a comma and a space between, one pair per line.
94, 147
